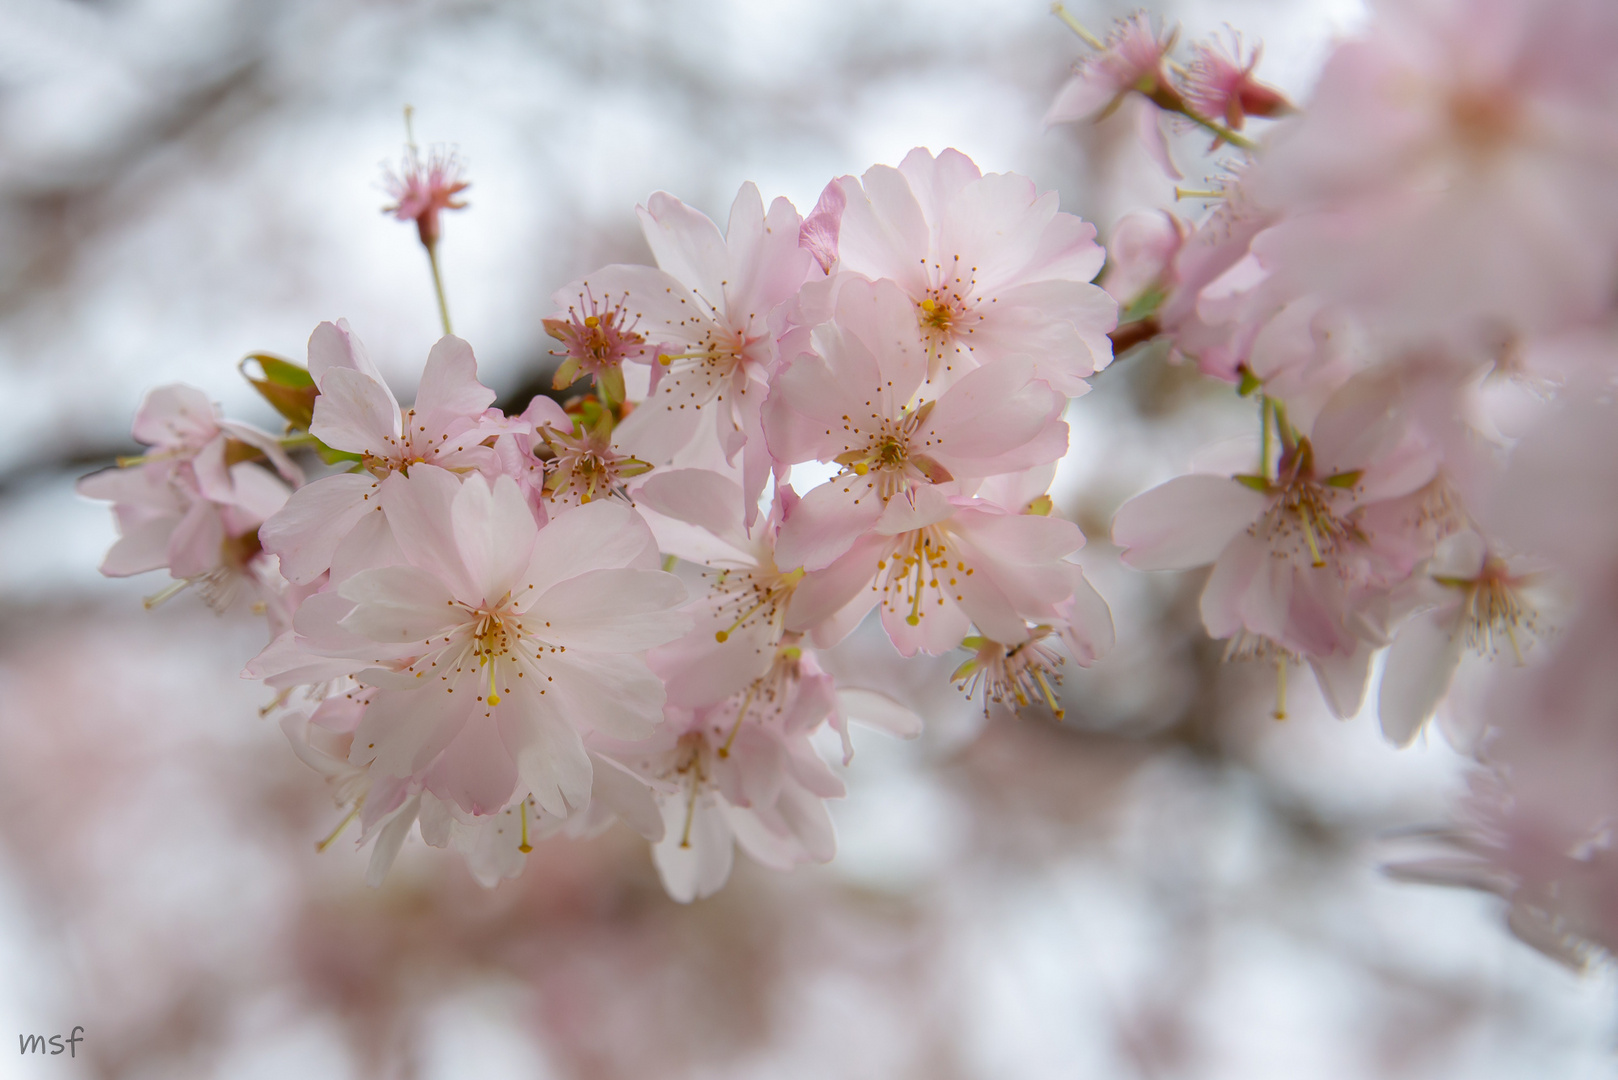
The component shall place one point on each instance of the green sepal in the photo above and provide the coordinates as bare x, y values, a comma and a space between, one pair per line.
1143, 306
1249, 383
610, 384
288, 387
1257, 483
335, 457
566, 375
1344, 479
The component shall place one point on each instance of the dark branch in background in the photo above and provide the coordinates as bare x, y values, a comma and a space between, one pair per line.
1130, 334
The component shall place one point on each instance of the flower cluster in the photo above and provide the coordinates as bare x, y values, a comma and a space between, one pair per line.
1413, 279
611, 605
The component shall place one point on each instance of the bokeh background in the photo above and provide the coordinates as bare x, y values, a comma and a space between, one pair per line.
1168, 884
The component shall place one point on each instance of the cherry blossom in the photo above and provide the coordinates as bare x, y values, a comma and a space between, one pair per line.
497, 643
710, 305
936, 568
358, 414
853, 402
740, 611
598, 335
1029, 671
1140, 256
1219, 84
1296, 550
1450, 176
992, 267
193, 503
1131, 59
742, 772
1481, 602
422, 189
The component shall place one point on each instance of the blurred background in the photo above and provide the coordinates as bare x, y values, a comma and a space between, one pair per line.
1168, 884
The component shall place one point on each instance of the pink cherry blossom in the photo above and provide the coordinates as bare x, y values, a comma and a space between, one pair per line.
710, 304
357, 413
740, 611
1126, 70
423, 189
1212, 263
1296, 549
1029, 672
194, 502
586, 462
498, 643
938, 566
1219, 84
1480, 602
326, 751
1131, 59
1140, 255
496, 846
1560, 883
1451, 176
991, 267
598, 335
742, 772
853, 402
1537, 826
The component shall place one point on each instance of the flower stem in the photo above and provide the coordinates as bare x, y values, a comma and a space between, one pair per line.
438, 286
1264, 436
1240, 142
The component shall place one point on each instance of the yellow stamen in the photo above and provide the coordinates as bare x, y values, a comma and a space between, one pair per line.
494, 698
724, 751
929, 305
1281, 688
525, 847
722, 636
690, 814
1308, 517
1050, 697
1077, 27
168, 593
341, 825
591, 321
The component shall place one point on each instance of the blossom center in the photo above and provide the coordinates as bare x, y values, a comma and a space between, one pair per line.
1018, 674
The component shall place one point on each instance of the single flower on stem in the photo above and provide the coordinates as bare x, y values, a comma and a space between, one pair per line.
421, 190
